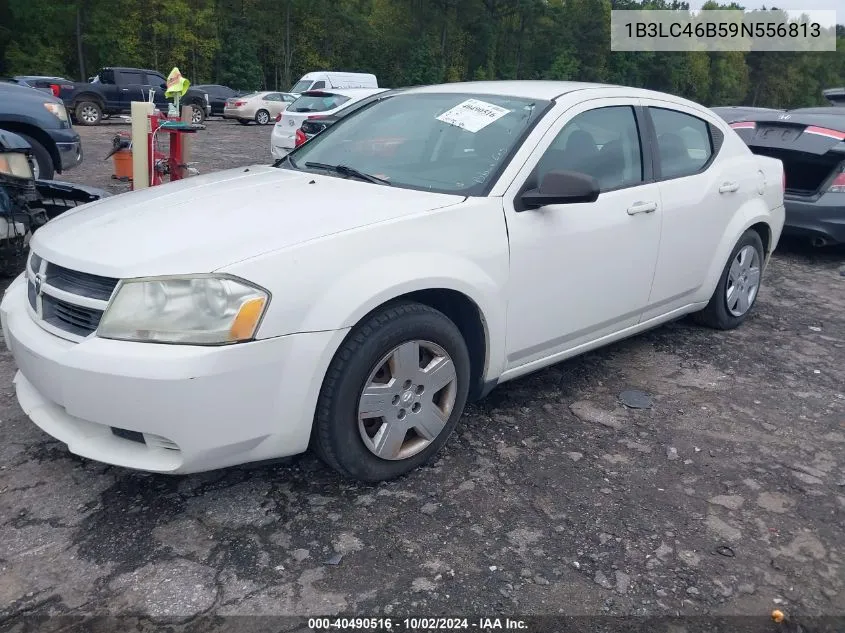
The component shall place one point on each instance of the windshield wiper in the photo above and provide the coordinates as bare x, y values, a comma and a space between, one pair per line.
284, 158
346, 170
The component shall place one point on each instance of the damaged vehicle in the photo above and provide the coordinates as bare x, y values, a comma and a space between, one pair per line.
27, 204
811, 144
456, 237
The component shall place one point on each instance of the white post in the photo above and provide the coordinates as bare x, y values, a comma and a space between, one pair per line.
141, 110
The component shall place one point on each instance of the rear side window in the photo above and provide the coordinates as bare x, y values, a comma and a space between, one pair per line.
603, 143
129, 77
684, 143
318, 84
318, 103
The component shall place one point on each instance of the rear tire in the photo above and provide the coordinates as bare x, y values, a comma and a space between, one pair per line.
374, 372
43, 168
88, 113
741, 278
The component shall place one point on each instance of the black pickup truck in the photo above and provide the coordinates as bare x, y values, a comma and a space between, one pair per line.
113, 89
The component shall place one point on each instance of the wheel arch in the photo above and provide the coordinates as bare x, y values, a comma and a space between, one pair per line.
89, 96
753, 216
466, 315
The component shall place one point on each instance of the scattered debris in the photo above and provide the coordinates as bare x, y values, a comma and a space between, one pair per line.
725, 550
777, 615
334, 560
635, 399
671, 453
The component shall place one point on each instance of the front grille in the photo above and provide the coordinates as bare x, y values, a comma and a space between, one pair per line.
65, 299
78, 283
72, 318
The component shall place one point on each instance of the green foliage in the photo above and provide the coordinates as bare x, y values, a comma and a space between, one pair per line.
255, 44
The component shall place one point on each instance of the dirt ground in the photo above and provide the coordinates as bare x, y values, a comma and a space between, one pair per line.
726, 497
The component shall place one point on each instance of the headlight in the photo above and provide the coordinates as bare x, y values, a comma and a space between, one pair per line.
15, 164
58, 109
194, 310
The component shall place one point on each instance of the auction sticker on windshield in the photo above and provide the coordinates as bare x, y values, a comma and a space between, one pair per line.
473, 115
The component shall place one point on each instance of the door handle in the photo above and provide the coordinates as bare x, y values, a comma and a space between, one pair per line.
728, 187
642, 207
125, 89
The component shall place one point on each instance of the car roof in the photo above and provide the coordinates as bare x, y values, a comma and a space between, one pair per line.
542, 89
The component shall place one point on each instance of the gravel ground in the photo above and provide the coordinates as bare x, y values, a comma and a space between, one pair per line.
727, 496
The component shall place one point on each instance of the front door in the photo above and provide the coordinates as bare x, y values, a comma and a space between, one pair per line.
582, 271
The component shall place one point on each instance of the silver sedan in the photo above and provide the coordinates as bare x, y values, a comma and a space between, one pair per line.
261, 107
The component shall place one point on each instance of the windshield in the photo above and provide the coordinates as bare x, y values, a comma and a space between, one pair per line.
301, 86
447, 143
317, 103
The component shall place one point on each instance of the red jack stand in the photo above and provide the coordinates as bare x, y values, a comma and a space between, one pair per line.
173, 163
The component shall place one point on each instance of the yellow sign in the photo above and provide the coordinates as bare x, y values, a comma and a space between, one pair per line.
176, 84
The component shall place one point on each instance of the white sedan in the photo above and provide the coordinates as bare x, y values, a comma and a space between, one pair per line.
439, 242
309, 105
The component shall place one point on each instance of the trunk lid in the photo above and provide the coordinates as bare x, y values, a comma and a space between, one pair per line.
811, 148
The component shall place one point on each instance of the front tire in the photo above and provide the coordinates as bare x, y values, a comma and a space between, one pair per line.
393, 393
43, 169
738, 287
262, 117
197, 114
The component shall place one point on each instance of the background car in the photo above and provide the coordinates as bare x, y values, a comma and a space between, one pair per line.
44, 83
312, 104
261, 107
311, 127
218, 95
43, 121
811, 144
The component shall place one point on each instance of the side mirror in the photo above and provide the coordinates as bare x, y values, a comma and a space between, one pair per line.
562, 187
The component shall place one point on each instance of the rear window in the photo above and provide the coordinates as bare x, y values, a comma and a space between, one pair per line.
318, 103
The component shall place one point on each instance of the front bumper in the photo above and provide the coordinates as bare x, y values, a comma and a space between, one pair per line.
70, 154
282, 142
822, 218
175, 408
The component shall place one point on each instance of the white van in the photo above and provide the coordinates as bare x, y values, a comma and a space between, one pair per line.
331, 79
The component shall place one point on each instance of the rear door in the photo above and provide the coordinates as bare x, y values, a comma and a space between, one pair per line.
132, 87
700, 191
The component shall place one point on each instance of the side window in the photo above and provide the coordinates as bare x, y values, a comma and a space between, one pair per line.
683, 142
129, 77
603, 143
317, 85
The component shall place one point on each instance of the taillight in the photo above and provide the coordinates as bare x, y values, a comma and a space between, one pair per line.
54, 88
238, 104
317, 116
783, 179
278, 117
300, 138
838, 184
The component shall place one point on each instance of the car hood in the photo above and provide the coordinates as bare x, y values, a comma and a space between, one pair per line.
207, 222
